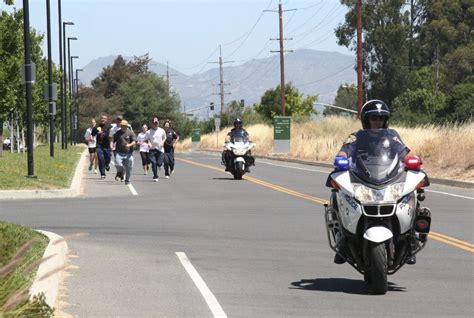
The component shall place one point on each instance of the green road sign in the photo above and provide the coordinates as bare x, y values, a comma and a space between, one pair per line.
196, 135
281, 128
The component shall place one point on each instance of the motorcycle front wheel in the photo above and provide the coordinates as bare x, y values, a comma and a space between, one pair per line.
239, 170
377, 276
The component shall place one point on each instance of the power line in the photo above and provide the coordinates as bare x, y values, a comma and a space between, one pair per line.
333, 12
327, 76
204, 61
309, 19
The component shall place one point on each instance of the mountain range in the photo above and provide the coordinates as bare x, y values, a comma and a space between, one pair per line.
312, 72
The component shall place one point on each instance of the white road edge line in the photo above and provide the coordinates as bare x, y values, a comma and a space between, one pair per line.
201, 285
454, 195
132, 189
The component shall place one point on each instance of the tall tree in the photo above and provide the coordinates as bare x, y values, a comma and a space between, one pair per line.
346, 97
296, 103
12, 97
386, 30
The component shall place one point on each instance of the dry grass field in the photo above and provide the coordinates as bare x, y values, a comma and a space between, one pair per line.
447, 151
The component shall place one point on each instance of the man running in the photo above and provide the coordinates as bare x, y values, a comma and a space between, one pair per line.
101, 132
92, 145
124, 141
170, 143
156, 137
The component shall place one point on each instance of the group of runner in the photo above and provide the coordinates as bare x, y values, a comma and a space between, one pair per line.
117, 141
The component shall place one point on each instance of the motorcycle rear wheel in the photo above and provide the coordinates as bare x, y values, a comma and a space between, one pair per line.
377, 276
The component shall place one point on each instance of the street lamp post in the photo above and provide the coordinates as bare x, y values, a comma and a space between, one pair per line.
77, 103
63, 118
73, 136
51, 104
63, 84
69, 82
28, 86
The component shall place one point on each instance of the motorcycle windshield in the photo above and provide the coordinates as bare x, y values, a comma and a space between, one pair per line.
238, 135
378, 155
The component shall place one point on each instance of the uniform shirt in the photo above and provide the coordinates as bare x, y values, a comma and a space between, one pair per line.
122, 138
171, 136
91, 143
156, 137
101, 132
144, 147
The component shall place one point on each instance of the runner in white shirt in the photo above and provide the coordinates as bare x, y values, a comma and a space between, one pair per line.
144, 149
156, 137
92, 146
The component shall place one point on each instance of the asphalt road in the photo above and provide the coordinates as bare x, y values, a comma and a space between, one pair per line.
259, 245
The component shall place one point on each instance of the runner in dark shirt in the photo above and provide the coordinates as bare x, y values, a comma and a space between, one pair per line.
101, 132
170, 142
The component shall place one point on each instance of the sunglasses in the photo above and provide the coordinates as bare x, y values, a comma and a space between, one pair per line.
376, 117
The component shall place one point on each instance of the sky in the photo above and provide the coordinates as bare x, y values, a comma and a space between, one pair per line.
187, 33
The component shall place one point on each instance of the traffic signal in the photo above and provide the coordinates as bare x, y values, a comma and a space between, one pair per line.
212, 106
242, 103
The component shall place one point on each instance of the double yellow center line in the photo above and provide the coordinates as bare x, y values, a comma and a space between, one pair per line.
436, 236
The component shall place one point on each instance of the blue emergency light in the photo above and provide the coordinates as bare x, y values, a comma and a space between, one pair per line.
341, 163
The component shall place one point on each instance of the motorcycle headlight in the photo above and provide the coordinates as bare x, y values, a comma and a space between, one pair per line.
392, 193
239, 152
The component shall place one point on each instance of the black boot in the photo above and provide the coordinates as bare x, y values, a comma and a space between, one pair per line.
338, 259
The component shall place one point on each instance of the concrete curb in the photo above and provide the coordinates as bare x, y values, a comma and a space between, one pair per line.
448, 182
49, 272
73, 191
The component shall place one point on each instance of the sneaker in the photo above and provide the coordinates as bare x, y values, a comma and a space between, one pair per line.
95, 171
127, 182
155, 179
90, 166
167, 177
412, 260
102, 177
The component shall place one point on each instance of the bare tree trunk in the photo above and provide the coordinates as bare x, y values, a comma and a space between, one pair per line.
23, 140
1, 138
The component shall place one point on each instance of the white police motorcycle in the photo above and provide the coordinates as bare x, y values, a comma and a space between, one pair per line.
374, 220
239, 148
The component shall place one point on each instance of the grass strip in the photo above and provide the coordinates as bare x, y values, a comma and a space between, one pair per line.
51, 173
21, 250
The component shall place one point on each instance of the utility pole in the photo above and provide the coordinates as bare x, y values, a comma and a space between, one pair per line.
168, 77
221, 77
282, 55
360, 92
